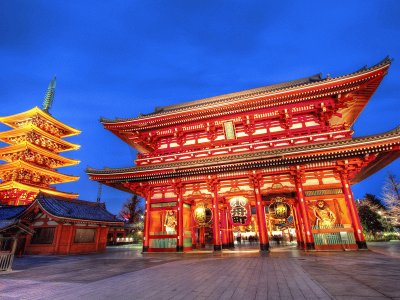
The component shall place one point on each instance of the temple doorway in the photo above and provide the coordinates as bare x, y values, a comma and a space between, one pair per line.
203, 238
247, 236
245, 239
281, 222
282, 236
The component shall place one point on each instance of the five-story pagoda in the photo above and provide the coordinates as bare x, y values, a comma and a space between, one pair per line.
32, 155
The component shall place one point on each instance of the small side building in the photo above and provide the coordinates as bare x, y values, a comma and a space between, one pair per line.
64, 226
10, 231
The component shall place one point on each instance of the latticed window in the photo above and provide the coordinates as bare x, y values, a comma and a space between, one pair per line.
85, 235
43, 235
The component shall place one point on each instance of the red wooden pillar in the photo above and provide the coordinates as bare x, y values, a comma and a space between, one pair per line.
193, 225
349, 198
114, 237
178, 190
216, 225
255, 180
98, 233
58, 236
297, 222
309, 239
70, 237
224, 230
262, 225
146, 236
229, 231
202, 238
212, 183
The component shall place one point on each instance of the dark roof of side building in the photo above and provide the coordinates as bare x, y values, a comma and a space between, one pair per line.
9, 217
8, 212
75, 209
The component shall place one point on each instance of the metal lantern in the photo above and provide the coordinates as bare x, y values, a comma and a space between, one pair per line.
202, 214
279, 209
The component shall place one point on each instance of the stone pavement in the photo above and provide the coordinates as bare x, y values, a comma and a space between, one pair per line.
284, 273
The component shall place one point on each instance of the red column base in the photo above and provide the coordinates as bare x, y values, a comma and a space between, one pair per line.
310, 246
264, 247
179, 248
362, 245
145, 249
217, 248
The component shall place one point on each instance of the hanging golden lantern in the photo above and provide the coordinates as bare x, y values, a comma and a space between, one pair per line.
202, 214
279, 209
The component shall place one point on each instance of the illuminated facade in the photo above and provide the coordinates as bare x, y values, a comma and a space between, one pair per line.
266, 160
32, 155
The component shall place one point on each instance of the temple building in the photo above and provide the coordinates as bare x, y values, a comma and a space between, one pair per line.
32, 157
58, 225
276, 161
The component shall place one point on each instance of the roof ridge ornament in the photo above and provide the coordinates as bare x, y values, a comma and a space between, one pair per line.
49, 97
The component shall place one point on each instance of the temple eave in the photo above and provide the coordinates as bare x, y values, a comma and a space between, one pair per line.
10, 120
34, 189
379, 163
376, 72
22, 131
64, 162
20, 164
337, 149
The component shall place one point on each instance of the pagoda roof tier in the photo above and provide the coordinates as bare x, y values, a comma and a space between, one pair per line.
352, 92
54, 176
33, 134
384, 147
5, 186
29, 152
49, 124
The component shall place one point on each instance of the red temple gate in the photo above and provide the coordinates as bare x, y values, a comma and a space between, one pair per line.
216, 164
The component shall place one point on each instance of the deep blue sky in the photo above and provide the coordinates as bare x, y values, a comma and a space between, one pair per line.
122, 58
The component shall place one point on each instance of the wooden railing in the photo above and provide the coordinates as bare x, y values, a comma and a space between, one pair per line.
6, 260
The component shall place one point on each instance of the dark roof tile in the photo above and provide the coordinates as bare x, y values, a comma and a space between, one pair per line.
227, 98
10, 212
75, 209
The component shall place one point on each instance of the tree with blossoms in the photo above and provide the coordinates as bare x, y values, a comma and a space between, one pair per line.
391, 198
132, 213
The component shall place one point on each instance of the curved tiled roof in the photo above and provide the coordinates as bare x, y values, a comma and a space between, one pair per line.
9, 217
10, 212
265, 89
75, 209
227, 98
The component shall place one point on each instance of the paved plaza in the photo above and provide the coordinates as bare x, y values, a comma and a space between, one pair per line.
284, 273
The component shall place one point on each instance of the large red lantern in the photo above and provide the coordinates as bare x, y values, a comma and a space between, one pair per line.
239, 211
